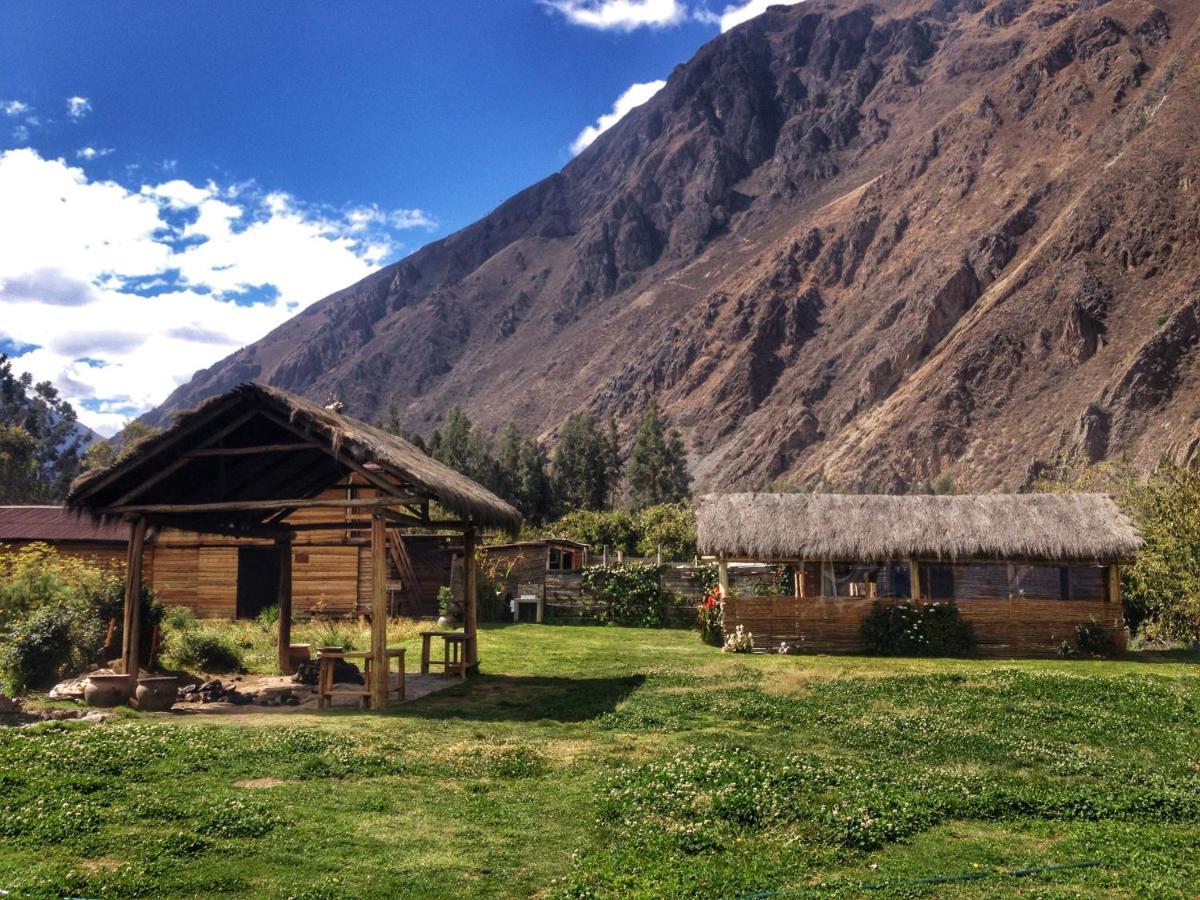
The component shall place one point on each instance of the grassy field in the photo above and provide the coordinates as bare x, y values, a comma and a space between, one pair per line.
617, 762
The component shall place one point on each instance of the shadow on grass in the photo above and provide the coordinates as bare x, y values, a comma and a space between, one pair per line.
1172, 655
528, 698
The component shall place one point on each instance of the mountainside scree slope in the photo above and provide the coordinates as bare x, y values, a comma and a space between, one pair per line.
851, 245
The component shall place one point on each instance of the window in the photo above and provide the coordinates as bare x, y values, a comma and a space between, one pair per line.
937, 582
1038, 582
1087, 583
853, 579
560, 560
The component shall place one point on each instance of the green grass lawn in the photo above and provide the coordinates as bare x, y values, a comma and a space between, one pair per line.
619, 762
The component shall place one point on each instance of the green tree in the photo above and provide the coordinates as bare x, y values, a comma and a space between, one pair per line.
103, 453
671, 526
658, 463
18, 465
582, 477
533, 490
454, 444
1161, 589
50, 422
598, 529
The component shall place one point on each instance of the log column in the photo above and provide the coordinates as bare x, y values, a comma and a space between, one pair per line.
379, 622
469, 591
131, 633
723, 577
283, 547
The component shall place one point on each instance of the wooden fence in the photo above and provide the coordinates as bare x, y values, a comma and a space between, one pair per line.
1013, 627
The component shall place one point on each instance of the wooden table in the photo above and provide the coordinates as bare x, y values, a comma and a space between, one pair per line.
454, 652
326, 661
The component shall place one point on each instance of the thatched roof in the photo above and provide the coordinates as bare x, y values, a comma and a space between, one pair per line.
254, 414
1067, 527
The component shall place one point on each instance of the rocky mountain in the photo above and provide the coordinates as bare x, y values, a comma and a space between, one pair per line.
850, 244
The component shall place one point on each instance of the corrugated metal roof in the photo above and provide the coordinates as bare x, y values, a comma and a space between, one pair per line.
56, 523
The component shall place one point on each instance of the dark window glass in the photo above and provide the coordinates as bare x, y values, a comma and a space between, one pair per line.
938, 582
1088, 583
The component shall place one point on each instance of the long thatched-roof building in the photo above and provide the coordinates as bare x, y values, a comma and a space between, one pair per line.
1025, 569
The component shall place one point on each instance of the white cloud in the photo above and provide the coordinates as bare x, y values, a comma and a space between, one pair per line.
126, 292
14, 107
736, 14
92, 152
635, 95
20, 134
620, 15
78, 107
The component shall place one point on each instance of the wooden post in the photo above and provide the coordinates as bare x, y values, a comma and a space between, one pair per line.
604, 555
469, 619
283, 599
379, 623
1116, 609
133, 602
723, 577
658, 557
914, 578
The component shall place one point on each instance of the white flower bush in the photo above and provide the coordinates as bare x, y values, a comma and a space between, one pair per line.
741, 641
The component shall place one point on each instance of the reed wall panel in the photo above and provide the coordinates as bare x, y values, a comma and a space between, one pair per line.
1003, 628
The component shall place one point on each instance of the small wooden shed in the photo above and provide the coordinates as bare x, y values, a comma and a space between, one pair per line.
259, 462
1024, 569
534, 572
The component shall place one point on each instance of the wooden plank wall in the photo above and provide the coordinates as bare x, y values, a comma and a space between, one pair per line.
325, 580
1003, 628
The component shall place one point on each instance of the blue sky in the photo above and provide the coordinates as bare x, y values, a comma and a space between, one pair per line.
176, 179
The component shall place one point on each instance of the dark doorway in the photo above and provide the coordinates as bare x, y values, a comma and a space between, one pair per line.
257, 580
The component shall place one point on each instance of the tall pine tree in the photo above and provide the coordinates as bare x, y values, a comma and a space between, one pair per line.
658, 463
583, 476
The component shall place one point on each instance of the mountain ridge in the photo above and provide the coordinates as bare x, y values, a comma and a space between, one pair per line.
821, 248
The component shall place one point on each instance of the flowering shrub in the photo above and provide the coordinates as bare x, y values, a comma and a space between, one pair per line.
741, 641
711, 610
632, 590
904, 629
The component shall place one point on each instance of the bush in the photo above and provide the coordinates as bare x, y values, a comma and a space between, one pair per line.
54, 616
194, 646
632, 590
38, 650
902, 629
669, 525
1093, 640
614, 529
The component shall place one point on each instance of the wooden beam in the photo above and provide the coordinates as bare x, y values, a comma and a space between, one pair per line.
722, 576
379, 622
914, 577
470, 626
377, 480
168, 509
182, 461
250, 451
227, 529
133, 603
283, 548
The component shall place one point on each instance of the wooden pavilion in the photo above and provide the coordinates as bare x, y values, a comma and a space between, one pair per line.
261, 462
1024, 569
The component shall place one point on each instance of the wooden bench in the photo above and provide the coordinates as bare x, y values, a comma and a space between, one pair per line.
454, 652
326, 662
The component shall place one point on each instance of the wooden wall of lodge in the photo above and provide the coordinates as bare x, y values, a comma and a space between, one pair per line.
1013, 627
331, 569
